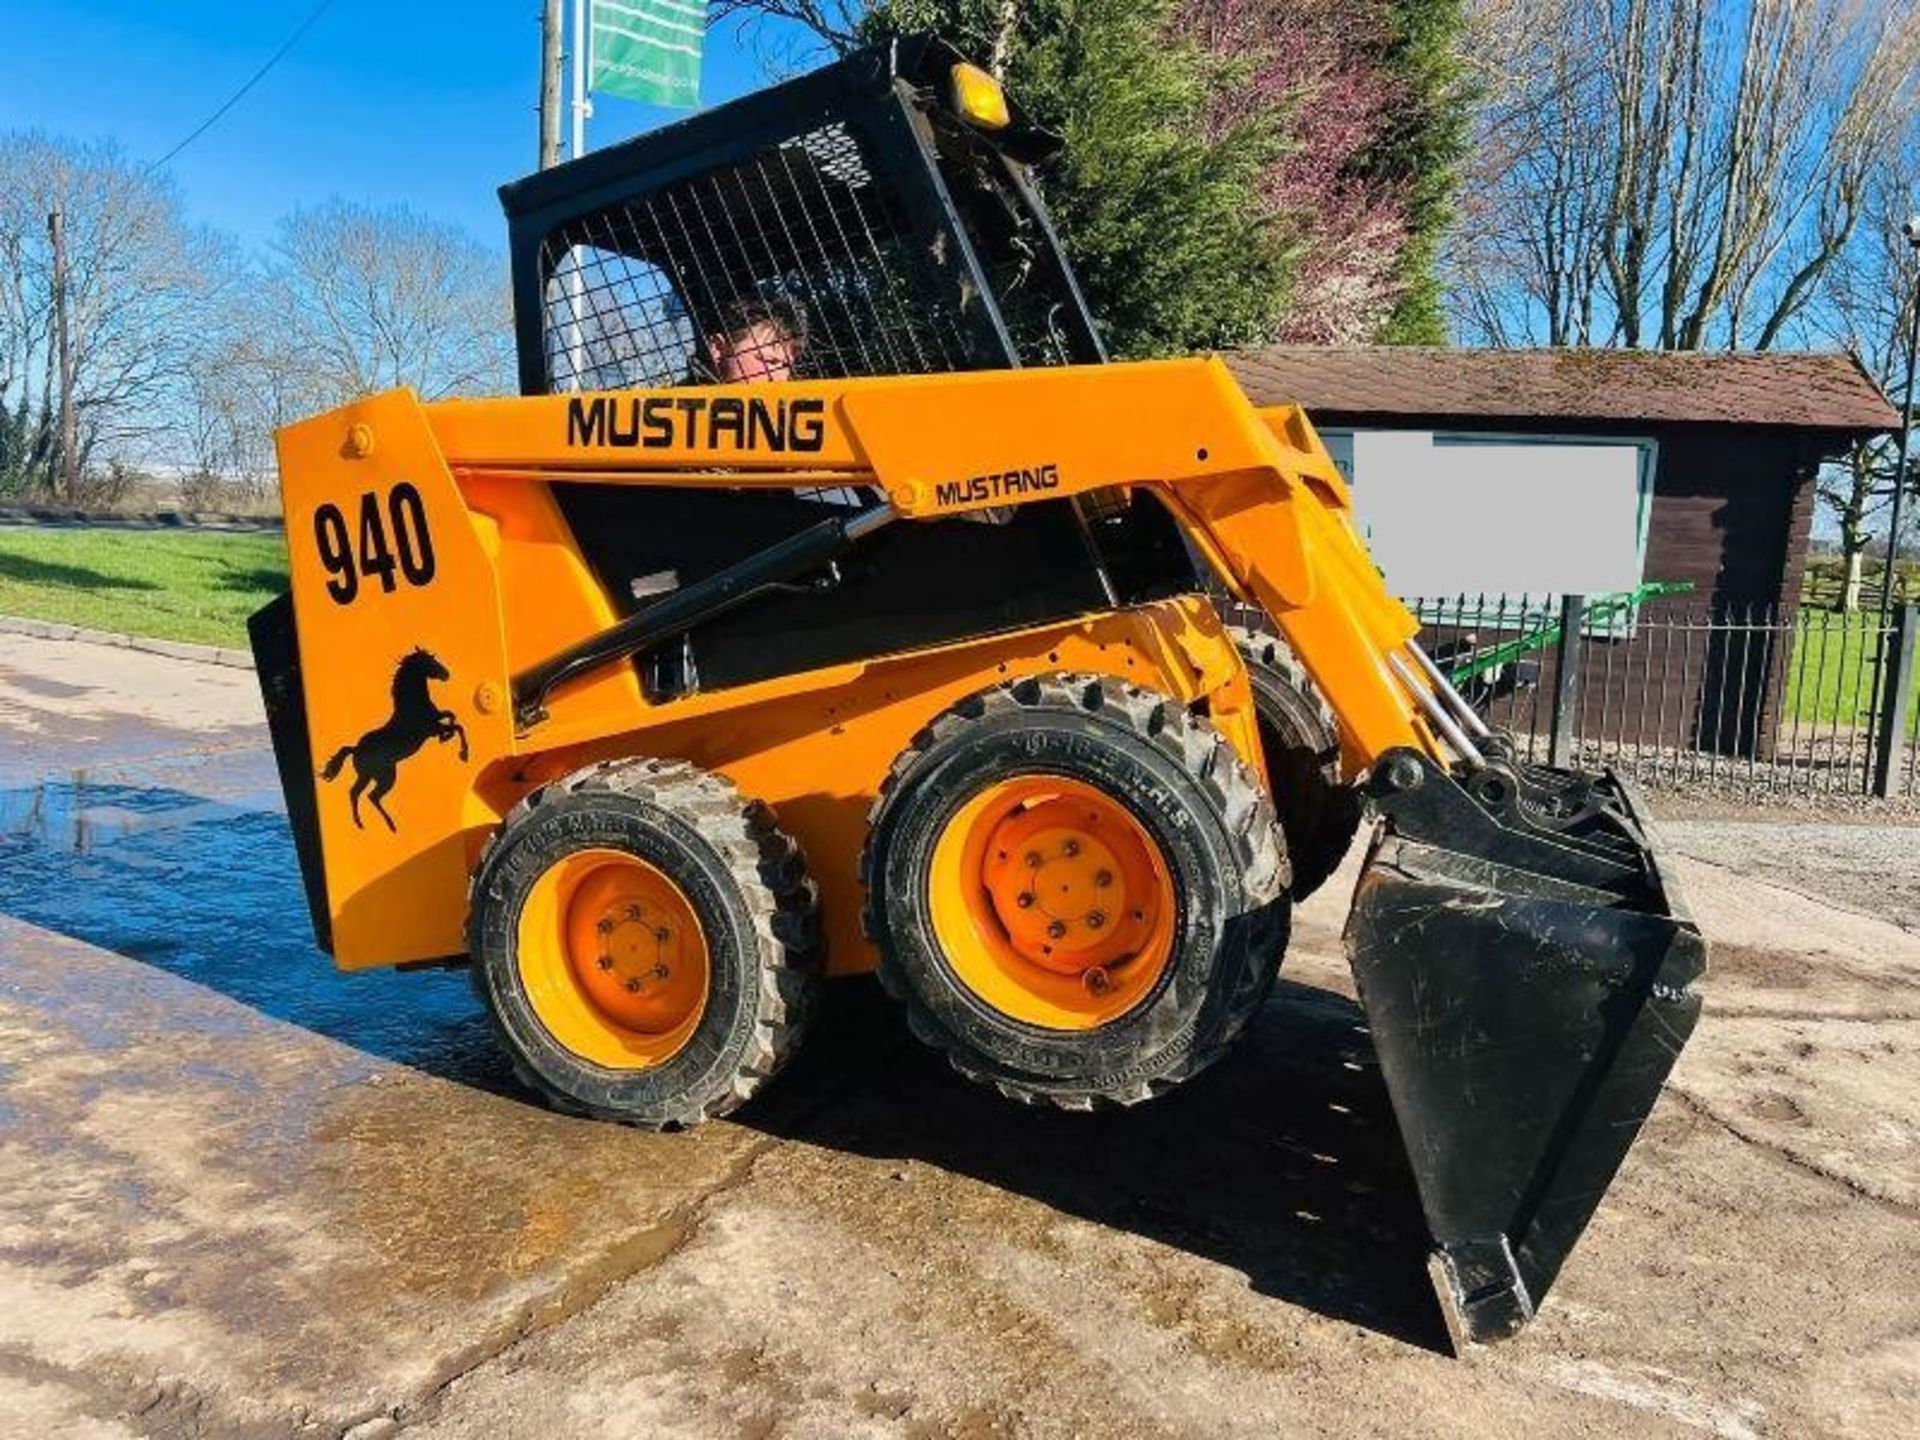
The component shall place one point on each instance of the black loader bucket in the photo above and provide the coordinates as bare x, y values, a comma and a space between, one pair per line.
1525, 970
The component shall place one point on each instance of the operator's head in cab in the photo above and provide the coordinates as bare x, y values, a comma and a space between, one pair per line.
760, 342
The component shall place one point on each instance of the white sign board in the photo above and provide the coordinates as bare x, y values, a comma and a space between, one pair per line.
1447, 517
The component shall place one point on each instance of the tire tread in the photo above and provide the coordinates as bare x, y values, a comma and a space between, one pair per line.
1317, 855
769, 871
1248, 822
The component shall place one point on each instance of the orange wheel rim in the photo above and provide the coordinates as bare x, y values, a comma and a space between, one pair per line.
1051, 903
614, 960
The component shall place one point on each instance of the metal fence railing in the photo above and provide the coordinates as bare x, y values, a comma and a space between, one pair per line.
1678, 692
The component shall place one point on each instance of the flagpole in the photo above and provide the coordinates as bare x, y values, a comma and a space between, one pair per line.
582, 106
576, 292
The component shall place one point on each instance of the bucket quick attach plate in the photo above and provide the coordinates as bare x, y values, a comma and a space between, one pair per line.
1525, 971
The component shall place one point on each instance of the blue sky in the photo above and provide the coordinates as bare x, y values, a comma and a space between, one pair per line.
383, 100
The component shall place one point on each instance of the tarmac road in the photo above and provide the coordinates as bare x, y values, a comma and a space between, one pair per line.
241, 1194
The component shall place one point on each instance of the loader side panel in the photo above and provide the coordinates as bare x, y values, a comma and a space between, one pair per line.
911, 587
403, 669
817, 745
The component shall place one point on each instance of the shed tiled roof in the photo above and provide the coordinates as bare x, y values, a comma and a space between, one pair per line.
1805, 391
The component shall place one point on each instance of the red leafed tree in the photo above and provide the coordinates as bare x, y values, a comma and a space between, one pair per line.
1367, 100
1324, 63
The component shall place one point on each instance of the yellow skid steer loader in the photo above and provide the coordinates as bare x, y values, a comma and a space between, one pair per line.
829, 605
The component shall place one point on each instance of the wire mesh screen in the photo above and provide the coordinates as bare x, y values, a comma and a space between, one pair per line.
1009, 241
795, 263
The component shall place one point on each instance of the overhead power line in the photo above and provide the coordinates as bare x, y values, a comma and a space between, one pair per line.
252, 80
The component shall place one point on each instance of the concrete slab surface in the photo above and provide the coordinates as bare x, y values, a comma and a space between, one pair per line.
243, 1195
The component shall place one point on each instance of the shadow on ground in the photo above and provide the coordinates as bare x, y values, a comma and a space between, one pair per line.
252, 579
1282, 1162
30, 571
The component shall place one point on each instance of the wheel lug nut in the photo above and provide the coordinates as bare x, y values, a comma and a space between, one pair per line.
1096, 919
1102, 879
633, 912
1057, 929
1024, 899
660, 972
1033, 859
1097, 981
605, 927
633, 987
1071, 848
663, 934
605, 962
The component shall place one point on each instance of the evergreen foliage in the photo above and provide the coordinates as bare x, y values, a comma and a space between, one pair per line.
1162, 212
1421, 149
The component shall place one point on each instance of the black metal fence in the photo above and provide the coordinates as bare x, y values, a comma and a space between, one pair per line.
1678, 693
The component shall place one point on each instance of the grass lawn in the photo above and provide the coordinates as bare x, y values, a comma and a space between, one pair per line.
175, 585
1832, 672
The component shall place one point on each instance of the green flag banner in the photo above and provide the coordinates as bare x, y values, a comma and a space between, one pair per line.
648, 50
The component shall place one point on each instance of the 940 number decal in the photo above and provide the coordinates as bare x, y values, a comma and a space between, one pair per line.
394, 544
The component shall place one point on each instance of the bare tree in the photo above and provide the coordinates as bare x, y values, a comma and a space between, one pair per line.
1673, 173
835, 21
804, 30
1868, 310
140, 286
802, 33
363, 299
186, 354
248, 384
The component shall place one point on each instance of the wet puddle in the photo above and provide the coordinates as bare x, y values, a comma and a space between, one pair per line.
207, 888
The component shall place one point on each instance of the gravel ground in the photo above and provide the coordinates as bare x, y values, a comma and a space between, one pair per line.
1815, 777
1869, 866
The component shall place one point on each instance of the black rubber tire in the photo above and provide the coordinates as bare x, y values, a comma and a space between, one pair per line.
1205, 810
1301, 739
744, 877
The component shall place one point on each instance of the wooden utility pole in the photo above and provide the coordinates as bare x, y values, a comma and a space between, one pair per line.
550, 60
552, 49
63, 348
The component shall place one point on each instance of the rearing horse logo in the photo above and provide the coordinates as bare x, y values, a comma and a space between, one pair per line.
416, 719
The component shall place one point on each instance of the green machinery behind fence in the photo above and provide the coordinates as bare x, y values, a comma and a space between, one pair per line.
1601, 609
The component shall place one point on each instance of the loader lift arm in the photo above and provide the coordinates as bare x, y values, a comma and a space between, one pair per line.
1254, 491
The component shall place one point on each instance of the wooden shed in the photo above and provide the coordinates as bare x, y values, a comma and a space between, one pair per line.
1728, 448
